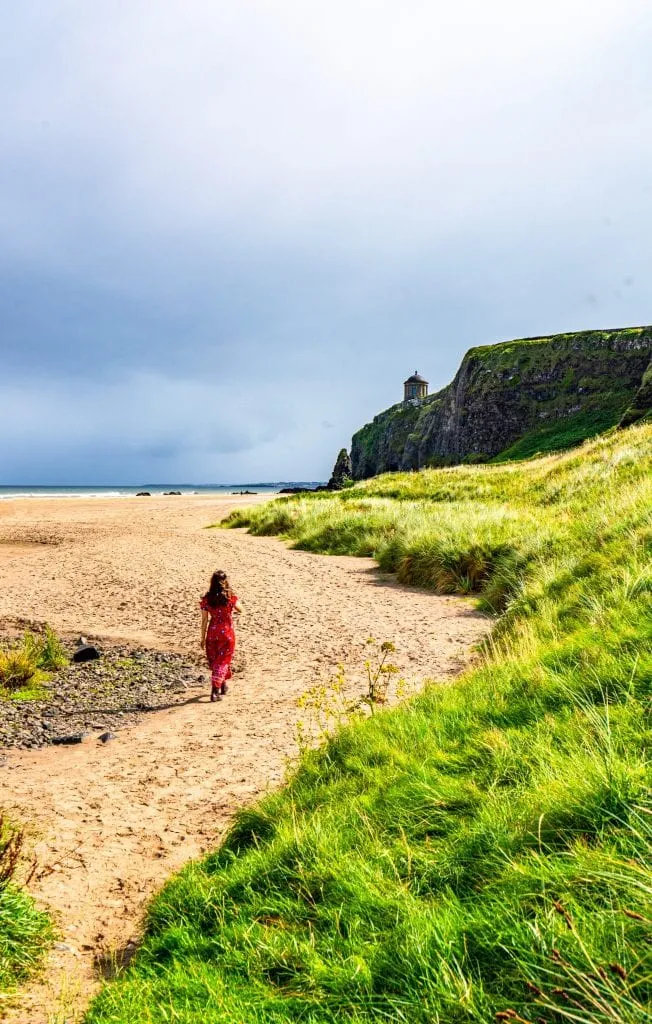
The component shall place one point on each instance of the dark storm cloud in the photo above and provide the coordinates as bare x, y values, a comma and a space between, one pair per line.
224, 230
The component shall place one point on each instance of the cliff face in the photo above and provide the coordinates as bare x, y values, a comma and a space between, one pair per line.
642, 403
512, 400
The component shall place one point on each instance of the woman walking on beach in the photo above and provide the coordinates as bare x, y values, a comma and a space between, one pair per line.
217, 633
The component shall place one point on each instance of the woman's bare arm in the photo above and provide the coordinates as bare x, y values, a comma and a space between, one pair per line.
237, 607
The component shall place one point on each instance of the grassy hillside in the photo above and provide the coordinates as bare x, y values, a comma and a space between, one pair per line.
563, 434
479, 853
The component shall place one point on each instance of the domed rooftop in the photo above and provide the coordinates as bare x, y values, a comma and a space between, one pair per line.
416, 378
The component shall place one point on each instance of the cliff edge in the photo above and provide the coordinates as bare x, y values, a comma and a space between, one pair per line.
513, 400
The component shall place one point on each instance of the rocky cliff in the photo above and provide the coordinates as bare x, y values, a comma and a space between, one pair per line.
515, 399
642, 403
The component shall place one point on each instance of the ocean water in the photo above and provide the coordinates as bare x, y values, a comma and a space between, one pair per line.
119, 491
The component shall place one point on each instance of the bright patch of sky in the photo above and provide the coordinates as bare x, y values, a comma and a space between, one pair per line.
228, 232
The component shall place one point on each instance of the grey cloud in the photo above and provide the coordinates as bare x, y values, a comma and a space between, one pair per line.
275, 214
130, 423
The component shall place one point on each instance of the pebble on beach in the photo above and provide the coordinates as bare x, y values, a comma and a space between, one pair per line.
98, 697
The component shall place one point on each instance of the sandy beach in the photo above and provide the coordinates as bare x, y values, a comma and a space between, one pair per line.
108, 824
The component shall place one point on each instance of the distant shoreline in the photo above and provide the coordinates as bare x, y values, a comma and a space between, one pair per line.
12, 493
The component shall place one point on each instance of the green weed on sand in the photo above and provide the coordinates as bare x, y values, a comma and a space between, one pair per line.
24, 665
25, 932
481, 852
25, 935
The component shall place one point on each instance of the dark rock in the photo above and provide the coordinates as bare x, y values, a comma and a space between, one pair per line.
69, 741
342, 472
85, 653
170, 493
143, 494
642, 404
106, 737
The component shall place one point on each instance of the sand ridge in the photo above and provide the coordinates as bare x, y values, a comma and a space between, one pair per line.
111, 823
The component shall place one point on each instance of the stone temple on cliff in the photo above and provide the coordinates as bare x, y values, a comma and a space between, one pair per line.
415, 388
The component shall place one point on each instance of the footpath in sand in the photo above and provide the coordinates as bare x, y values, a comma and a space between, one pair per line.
110, 823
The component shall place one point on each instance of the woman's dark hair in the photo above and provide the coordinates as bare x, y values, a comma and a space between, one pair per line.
219, 591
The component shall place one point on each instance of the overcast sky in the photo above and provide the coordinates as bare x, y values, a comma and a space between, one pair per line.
228, 231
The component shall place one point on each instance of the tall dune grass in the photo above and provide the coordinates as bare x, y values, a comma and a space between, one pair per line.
483, 530
482, 852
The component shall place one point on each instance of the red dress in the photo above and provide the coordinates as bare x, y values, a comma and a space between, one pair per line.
220, 639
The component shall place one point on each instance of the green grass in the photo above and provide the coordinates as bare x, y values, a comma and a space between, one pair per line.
565, 433
25, 664
482, 852
25, 931
25, 935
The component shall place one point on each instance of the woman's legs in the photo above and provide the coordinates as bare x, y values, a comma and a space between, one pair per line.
220, 674
224, 688
219, 658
